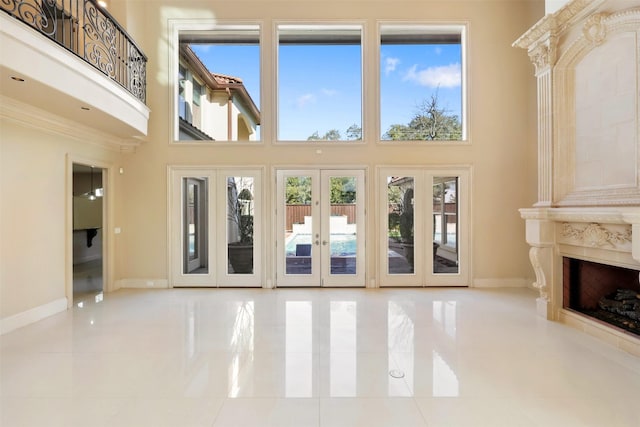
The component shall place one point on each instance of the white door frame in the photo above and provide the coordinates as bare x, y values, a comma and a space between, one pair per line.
217, 274
107, 218
175, 223
423, 274
320, 228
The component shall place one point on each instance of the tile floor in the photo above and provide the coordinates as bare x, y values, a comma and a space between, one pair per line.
318, 357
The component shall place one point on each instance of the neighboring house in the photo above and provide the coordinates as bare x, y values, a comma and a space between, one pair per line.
213, 106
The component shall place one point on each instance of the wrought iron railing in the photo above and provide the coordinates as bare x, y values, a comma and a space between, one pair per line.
90, 32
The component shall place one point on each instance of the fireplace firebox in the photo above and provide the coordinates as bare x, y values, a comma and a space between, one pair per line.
605, 293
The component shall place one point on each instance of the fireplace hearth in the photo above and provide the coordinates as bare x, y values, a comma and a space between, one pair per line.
603, 292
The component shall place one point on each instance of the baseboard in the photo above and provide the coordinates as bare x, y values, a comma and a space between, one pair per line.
501, 283
142, 284
33, 315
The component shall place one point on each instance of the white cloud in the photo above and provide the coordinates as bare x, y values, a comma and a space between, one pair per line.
390, 64
329, 92
307, 98
444, 76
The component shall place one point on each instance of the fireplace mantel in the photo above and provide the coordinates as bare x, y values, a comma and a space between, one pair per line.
586, 58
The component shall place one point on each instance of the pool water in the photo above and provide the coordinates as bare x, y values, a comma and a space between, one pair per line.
341, 244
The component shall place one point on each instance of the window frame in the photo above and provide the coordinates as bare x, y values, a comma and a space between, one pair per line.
178, 27
460, 27
336, 24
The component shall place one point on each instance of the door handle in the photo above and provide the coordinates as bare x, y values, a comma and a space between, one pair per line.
324, 243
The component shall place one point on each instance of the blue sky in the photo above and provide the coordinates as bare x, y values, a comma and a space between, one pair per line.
320, 86
410, 74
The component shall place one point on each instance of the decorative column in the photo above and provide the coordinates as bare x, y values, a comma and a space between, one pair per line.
541, 44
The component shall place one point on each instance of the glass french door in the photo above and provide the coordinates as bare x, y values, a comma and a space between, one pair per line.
424, 227
320, 228
216, 227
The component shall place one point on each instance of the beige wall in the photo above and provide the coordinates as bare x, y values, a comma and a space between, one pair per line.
502, 149
501, 111
33, 214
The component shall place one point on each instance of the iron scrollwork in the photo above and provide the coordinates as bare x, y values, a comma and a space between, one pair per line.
88, 31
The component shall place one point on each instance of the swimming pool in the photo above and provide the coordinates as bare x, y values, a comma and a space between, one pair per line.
341, 244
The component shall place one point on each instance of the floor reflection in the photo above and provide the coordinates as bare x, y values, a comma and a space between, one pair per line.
343, 367
298, 349
390, 357
445, 380
401, 341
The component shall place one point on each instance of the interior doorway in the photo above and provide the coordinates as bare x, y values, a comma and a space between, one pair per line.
88, 248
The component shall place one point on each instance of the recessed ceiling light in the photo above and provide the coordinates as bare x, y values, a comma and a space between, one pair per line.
18, 79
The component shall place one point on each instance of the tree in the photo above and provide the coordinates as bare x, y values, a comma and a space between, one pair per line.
354, 132
332, 135
343, 190
430, 122
298, 190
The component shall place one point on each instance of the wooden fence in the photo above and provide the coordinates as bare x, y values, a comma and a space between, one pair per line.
296, 213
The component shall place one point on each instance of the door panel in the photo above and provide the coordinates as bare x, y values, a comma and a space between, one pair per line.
239, 195
342, 231
445, 225
298, 239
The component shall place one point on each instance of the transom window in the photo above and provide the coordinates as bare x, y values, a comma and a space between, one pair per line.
219, 84
421, 83
316, 85
319, 82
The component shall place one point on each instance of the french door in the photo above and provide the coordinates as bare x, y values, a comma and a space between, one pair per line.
216, 226
320, 228
424, 227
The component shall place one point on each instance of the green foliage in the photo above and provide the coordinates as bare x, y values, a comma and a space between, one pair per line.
332, 135
406, 217
246, 229
354, 132
343, 190
298, 191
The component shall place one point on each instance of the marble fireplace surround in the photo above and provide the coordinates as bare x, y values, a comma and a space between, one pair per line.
607, 235
586, 57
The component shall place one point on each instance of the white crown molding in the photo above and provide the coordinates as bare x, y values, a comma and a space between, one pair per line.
30, 116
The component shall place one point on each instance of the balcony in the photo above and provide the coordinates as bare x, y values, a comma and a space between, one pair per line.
71, 59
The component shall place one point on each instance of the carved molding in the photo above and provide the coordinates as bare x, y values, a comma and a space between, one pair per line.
596, 235
556, 23
535, 255
594, 29
544, 54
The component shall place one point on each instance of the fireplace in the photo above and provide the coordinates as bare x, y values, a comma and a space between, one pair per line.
584, 226
605, 293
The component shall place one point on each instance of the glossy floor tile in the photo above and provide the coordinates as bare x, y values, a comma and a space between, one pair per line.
312, 357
